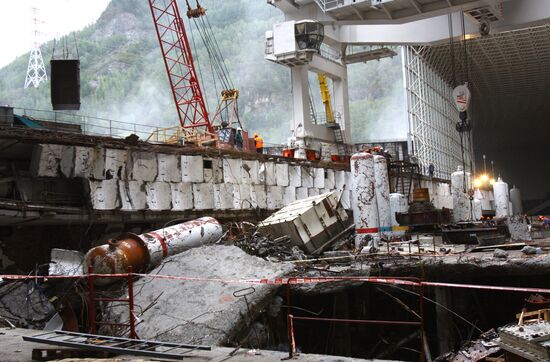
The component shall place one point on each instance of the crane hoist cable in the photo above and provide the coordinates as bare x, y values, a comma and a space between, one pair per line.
204, 28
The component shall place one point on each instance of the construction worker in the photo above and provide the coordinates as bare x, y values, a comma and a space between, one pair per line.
239, 138
259, 143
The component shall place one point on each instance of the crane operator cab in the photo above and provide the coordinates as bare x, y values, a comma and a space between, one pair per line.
294, 42
309, 35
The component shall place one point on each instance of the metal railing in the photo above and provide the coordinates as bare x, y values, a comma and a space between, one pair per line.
95, 126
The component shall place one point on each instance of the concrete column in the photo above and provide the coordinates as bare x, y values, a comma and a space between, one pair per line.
300, 100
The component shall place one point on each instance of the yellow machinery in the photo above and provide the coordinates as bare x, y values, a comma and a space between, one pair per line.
325, 97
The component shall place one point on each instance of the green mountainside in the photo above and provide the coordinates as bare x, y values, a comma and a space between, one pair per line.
123, 76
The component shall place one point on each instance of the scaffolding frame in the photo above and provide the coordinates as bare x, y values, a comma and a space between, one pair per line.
432, 117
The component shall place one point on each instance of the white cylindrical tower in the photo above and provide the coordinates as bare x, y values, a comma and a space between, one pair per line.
500, 189
515, 197
460, 185
478, 212
398, 203
382, 189
363, 202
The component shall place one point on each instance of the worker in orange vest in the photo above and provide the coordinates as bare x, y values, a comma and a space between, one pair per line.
259, 143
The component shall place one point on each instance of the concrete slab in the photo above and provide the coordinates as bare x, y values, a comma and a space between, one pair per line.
270, 178
329, 179
250, 172
192, 169
339, 179
202, 312
159, 195
224, 195
307, 177
282, 177
312, 191
301, 193
104, 194
66, 164
289, 195
274, 197
259, 196
232, 169
213, 170
133, 195
168, 168
319, 178
203, 196
142, 166
115, 164
88, 162
15, 349
45, 161
244, 201
182, 196
295, 175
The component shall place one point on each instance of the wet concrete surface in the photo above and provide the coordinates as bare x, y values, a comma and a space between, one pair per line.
14, 349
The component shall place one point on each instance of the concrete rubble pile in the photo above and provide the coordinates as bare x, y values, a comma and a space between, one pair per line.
202, 312
24, 305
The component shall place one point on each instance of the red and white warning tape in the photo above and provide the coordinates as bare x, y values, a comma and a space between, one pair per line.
292, 280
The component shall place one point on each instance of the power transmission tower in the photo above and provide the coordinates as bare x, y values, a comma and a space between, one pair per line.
36, 72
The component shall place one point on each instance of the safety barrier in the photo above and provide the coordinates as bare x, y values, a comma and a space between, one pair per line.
131, 325
420, 323
288, 282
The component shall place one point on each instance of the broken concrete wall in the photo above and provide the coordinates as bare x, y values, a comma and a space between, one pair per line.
116, 162
159, 181
143, 166
201, 312
46, 160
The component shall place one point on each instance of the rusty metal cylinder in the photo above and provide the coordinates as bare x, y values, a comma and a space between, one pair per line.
146, 251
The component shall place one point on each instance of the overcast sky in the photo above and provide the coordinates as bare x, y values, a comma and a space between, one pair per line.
58, 17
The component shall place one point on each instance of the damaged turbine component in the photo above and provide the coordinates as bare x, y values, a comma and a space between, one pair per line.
146, 251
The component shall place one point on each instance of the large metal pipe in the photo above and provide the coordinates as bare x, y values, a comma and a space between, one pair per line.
363, 202
146, 251
382, 189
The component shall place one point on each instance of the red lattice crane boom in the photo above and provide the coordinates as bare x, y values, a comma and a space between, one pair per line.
180, 68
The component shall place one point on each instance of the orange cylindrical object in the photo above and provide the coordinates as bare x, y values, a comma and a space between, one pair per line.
116, 256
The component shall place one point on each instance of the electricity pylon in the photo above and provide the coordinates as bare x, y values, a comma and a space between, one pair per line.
36, 72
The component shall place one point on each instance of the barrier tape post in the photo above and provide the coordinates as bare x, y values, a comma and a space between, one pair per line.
290, 323
91, 300
421, 312
130, 280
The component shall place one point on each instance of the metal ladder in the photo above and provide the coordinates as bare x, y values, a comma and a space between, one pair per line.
338, 137
117, 345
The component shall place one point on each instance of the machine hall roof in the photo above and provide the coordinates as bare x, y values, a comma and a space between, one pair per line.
509, 75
